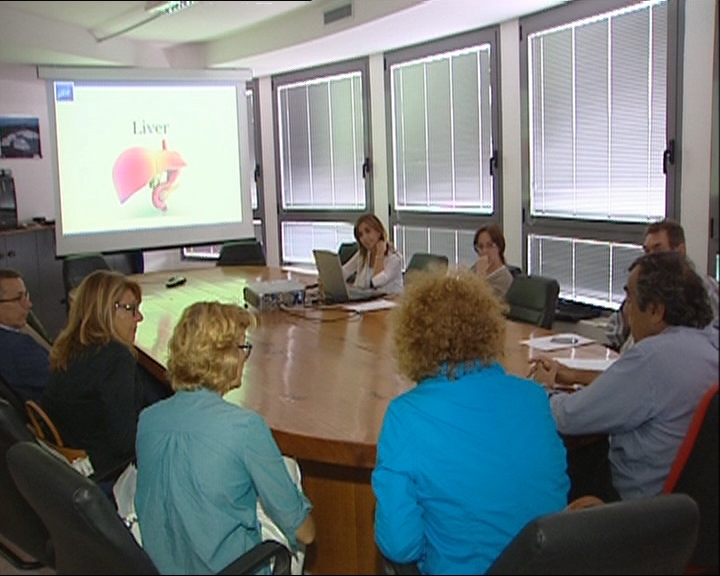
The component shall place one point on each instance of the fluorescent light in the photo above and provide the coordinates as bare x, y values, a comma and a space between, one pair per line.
168, 7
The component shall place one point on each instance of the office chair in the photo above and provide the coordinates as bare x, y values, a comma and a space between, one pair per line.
533, 299
8, 394
76, 266
245, 252
19, 524
514, 270
88, 535
695, 472
347, 250
424, 262
646, 536
128, 262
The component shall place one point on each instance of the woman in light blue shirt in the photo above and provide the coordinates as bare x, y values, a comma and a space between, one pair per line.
203, 462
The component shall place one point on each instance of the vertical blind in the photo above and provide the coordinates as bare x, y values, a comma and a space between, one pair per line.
442, 132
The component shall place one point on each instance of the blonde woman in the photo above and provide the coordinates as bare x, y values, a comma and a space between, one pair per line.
471, 454
376, 264
96, 388
204, 462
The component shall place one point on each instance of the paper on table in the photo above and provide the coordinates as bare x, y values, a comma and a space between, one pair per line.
598, 364
370, 305
557, 342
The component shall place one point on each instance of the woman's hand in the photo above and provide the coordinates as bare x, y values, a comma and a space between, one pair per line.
379, 264
482, 265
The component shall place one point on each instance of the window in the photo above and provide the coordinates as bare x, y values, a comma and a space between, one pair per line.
443, 143
600, 128
323, 157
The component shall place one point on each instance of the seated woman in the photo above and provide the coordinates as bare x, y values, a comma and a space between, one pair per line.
204, 462
376, 264
489, 244
471, 454
96, 388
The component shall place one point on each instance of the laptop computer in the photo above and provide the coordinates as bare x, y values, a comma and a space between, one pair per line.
333, 282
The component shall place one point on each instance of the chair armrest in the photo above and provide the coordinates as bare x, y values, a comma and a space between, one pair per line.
258, 557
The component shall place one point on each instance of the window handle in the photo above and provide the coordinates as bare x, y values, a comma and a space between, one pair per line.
669, 156
493, 163
256, 173
366, 168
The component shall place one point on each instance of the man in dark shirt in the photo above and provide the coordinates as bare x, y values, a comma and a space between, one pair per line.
24, 363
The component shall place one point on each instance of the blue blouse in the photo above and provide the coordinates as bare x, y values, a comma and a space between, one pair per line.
202, 464
462, 466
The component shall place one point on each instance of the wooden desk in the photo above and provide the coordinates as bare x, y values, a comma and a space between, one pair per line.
323, 385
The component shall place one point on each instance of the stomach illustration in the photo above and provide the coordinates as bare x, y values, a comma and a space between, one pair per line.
137, 167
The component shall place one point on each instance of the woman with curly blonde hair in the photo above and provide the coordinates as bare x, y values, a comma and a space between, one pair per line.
203, 462
471, 454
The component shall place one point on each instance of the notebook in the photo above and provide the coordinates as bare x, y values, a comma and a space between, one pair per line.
331, 277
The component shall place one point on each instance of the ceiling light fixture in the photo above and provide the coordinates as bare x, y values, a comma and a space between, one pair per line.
168, 7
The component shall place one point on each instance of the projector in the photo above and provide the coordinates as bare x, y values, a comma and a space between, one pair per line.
272, 294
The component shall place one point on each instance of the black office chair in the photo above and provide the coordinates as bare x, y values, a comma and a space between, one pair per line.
533, 299
423, 262
514, 270
88, 535
347, 250
647, 536
19, 524
245, 252
76, 266
695, 472
128, 262
8, 394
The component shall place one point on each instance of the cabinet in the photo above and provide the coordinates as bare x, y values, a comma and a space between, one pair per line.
31, 251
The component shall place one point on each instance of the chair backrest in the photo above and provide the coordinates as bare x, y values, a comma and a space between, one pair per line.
654, 535
247, 252
422, 262
8, 394
88, 535
514, 270
347, 250
19, 524
695, 472
76, 266
533, 299
128, 262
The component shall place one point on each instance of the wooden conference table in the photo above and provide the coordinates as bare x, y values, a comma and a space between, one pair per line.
322, 379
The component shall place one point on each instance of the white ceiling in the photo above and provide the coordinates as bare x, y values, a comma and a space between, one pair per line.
267, 37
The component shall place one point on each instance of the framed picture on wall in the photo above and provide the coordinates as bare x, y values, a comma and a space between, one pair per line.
19, 137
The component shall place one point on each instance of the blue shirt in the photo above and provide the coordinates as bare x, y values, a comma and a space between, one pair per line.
202, 464
462, 466
644, 401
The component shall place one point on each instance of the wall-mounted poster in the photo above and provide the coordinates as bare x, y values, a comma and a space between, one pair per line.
19, 137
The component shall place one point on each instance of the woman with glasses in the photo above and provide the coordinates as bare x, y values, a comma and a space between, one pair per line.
489, 244
96, 388
203, 462
471, 454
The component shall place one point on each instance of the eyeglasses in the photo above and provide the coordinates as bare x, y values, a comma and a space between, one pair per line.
479, 247
134, 308
246, 348
22, 296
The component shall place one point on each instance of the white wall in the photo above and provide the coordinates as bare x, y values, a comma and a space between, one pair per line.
22, 93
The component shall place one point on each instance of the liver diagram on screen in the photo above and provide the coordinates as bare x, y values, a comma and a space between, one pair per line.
137, 167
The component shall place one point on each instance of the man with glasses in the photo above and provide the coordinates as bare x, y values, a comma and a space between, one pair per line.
663, 236
24, 363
